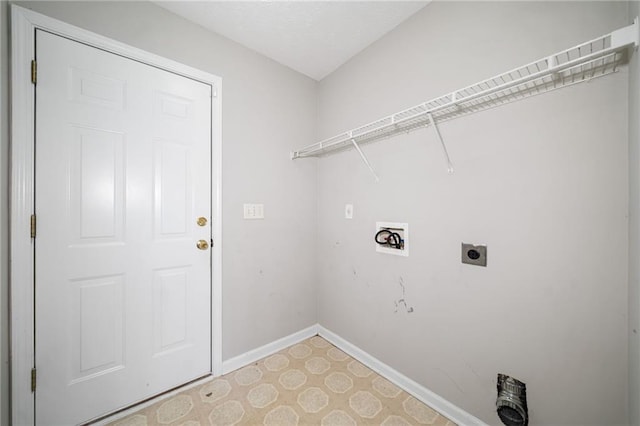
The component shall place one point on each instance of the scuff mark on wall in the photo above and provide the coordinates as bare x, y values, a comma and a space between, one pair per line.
402, 301
472, 370
452, 381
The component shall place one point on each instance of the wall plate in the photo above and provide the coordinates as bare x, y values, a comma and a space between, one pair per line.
348, 211
253, 211
474, 254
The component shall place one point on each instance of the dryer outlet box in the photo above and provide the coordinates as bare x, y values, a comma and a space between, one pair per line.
474, 254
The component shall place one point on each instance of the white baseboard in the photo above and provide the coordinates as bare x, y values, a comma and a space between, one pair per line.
446, 408
441, 405
268, 349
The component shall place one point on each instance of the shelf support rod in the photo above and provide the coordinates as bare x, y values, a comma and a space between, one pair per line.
444, 147
364, 158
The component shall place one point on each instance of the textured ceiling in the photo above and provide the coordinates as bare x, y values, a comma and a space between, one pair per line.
312, 37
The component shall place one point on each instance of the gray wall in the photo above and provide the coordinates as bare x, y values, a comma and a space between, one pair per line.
547, 176
543, 182
634, 232
269, 272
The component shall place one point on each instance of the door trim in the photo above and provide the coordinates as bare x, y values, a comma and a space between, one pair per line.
24, 22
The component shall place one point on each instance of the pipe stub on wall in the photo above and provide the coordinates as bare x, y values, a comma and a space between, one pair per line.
511, 403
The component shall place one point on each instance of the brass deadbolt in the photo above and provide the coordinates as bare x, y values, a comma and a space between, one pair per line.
202, 244
202, 221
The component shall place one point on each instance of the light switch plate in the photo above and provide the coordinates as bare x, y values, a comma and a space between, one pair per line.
254, 211
348, 211
259, 211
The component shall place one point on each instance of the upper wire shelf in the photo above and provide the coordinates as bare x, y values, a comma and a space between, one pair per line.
582, 63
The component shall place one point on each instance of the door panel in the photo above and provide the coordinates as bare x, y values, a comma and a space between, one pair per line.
97, 310
97, 185
170, 308
173, 200
122, 173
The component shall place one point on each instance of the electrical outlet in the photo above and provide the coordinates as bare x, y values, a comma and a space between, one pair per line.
474, 254
348, 211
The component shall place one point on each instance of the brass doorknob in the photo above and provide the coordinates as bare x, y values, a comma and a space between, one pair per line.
202, 244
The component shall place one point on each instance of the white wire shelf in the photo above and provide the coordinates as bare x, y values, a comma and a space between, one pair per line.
582, 63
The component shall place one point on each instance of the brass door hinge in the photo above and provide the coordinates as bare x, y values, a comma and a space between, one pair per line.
33, 226
33, 380
34, 72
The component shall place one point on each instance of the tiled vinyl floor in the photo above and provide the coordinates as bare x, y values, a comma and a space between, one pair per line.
311, 383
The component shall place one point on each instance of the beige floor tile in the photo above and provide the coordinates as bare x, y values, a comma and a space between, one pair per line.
310, 383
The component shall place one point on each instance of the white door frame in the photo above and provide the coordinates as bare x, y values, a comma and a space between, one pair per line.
24, 22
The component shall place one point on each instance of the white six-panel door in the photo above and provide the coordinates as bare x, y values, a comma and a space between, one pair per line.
123, 174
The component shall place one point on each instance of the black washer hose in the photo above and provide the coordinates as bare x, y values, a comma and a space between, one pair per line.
396, 242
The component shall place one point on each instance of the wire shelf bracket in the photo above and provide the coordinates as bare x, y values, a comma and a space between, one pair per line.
582, 63
364, 159
444, 147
